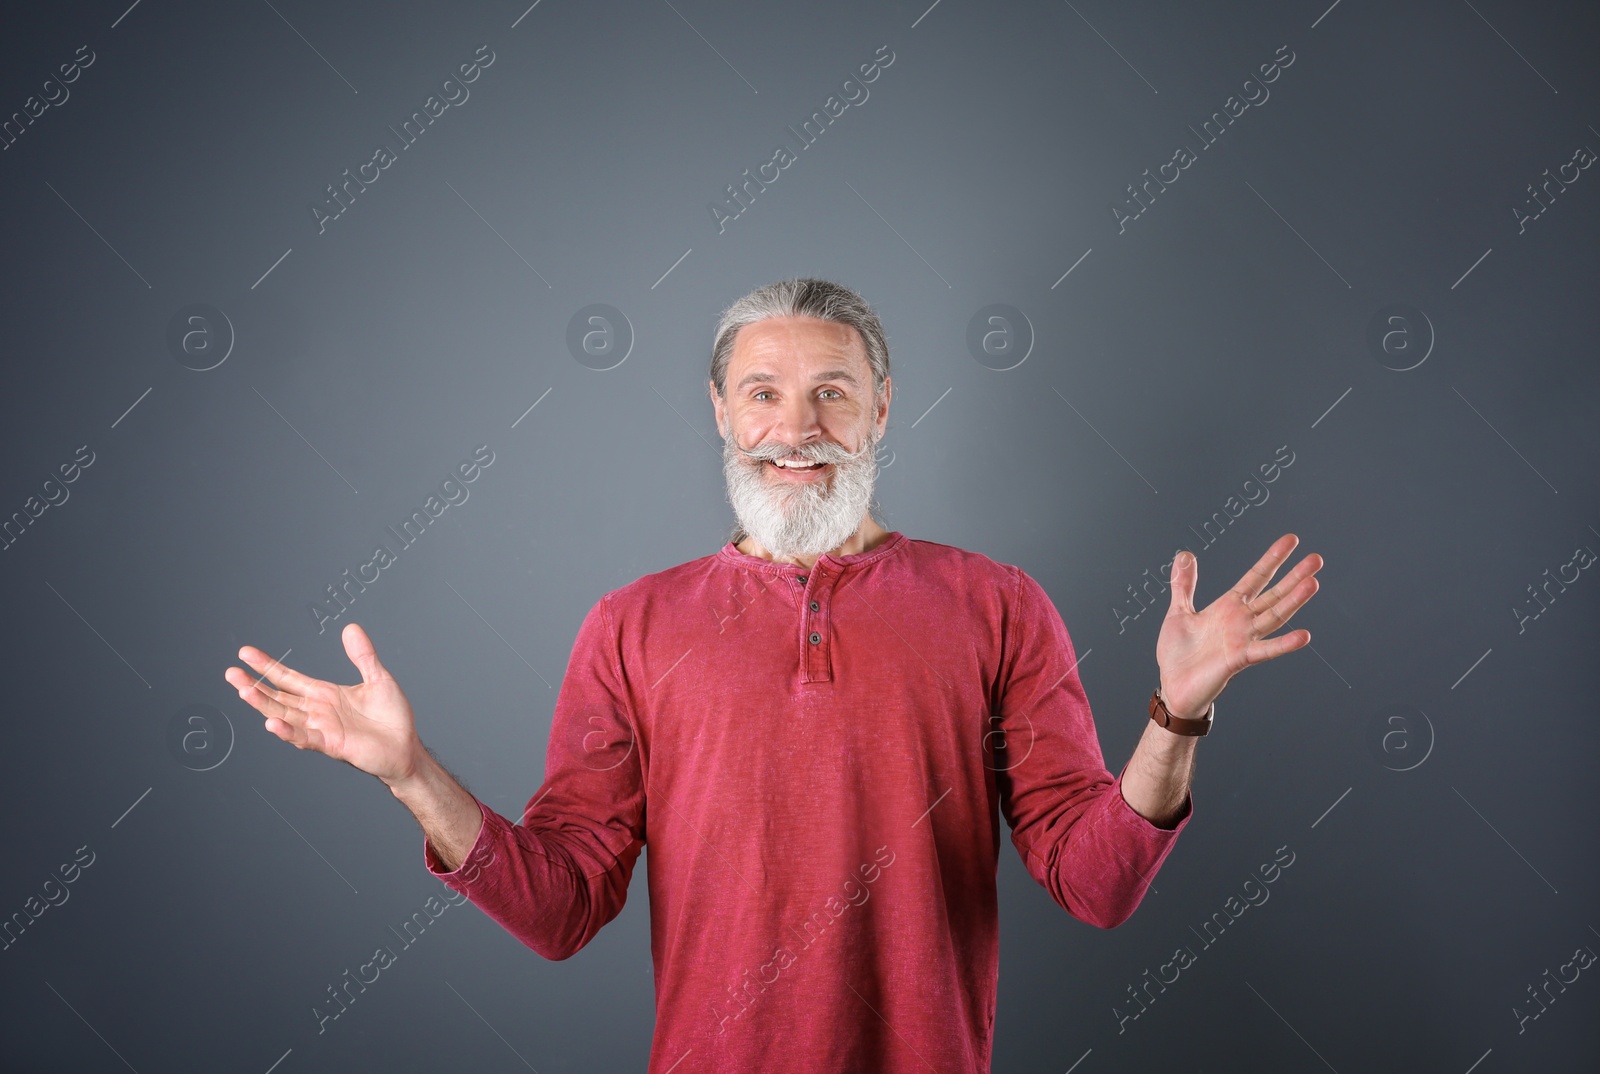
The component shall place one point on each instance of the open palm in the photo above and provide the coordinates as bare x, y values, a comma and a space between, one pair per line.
369, 725
1200, 651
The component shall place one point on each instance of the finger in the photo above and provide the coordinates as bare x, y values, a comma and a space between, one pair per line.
287, 732
1256, 578
1270, 619
1307, 567
286, 716
1185, 573
264, 699
292, 725
300, 735
269, 666
1265, 649
363, 654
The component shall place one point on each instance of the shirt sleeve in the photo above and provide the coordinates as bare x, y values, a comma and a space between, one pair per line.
1077, 835
555, 877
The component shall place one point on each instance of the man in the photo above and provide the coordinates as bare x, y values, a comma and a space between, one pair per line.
814, 730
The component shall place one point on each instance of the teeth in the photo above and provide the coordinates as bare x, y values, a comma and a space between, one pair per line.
795, 465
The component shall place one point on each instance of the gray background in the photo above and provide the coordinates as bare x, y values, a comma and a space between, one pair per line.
1429, 760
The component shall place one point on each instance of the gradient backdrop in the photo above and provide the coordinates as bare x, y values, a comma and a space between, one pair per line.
1126, 255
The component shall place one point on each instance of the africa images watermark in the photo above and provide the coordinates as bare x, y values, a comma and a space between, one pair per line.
454, 92
744, 995
742, 196
480, 858
53, 93
1582, 559
55, 892
1233, 908
1569, 172
1551, 986
55, 494
741, 594
346, 992
454, 493
1254, 493
1210, 130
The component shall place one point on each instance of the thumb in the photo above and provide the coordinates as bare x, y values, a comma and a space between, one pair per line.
358, 647
1185, 570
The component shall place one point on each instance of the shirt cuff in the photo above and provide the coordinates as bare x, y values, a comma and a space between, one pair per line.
472, 866
1128, 816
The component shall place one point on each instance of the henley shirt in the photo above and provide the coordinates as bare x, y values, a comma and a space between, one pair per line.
818, 760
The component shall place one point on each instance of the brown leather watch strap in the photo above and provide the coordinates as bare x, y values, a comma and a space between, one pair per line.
1178, 725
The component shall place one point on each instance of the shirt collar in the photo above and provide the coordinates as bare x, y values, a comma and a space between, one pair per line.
890, 544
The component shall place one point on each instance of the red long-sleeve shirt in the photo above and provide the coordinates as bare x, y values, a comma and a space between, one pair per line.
818, 760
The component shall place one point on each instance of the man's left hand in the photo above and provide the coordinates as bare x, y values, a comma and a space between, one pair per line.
1198, 652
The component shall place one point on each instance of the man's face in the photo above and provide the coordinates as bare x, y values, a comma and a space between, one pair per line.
799, 389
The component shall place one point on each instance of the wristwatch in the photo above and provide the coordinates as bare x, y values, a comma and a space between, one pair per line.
1178, 725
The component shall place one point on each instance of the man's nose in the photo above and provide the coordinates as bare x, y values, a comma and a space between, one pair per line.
797, 422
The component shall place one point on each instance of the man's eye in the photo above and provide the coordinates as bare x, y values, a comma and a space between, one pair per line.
764, 391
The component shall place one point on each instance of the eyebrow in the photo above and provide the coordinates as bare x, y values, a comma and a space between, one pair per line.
828, 374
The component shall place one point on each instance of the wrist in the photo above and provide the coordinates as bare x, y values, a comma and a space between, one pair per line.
1180, 706
1179, 721
418, 773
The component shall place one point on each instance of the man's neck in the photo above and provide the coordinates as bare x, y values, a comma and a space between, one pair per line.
867, 537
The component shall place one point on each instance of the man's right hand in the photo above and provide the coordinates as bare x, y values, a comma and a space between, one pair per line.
369, 726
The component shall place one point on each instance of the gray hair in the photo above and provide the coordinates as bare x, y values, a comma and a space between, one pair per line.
804, 297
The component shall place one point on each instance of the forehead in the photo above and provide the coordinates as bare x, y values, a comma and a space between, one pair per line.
796, 344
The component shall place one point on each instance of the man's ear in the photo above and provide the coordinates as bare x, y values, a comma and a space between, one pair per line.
718, 407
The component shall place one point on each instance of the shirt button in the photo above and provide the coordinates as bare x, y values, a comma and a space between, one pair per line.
815, 637
800, 578
815, 606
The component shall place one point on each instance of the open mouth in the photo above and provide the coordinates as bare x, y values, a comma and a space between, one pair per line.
809, 468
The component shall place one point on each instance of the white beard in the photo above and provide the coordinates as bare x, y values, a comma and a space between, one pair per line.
800, 519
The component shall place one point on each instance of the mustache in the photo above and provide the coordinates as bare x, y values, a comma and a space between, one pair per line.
821, 451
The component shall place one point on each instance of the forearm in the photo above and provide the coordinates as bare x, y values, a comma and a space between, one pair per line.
552, 881
447, 811
1156, 782
1098, 864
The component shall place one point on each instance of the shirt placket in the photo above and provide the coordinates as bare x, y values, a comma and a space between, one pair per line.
816, 635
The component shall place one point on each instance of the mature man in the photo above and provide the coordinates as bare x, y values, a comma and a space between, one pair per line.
815, 731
